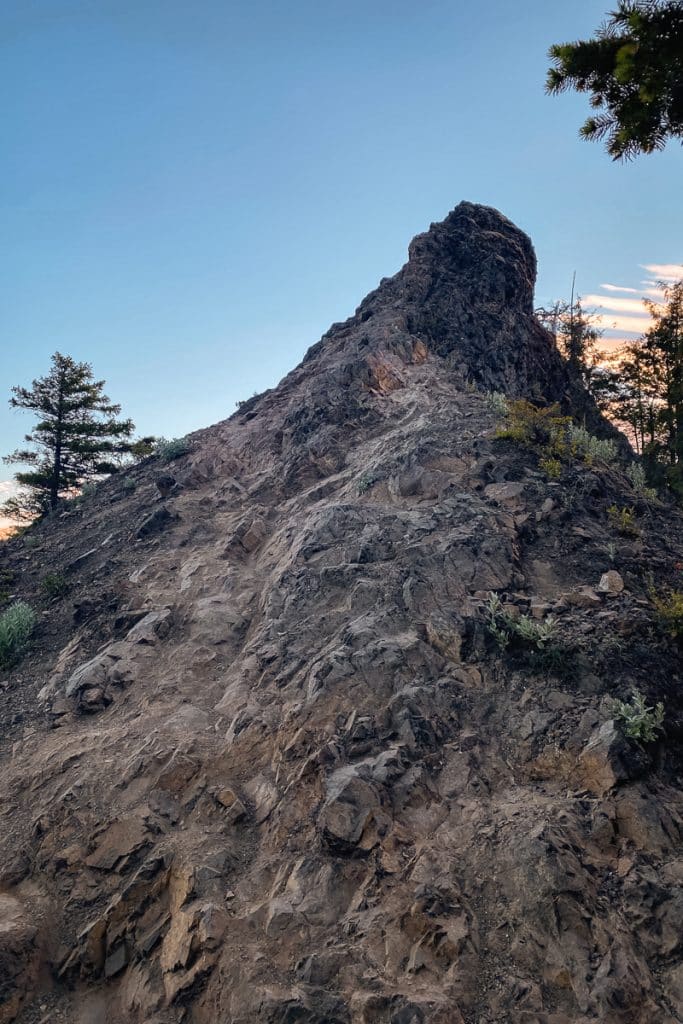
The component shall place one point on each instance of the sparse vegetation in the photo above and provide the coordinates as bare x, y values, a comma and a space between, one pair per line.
552, 435
551, 467
636, 474
591, 448
168, 450
367, 481
497, 403
16, 628
623, 520
128, 485
636, 720
669, 608
539, 427
506, 628
54, 584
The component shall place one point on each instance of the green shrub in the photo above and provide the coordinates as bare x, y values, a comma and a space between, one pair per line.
669, 609
128, 485
551, 467
636, 474
589, 446
16, 627
636, 720
537, 427
505, 628
611, 551
623, 520
554, 436
497, 403
54, 584
167, 451
367, 481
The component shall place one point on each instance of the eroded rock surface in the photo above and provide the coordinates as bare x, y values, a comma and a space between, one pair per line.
267, 764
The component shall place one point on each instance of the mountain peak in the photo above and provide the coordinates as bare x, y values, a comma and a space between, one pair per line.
319, 726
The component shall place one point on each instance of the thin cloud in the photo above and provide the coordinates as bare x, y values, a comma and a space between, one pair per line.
619, 288
627, 324
612, 302
665, 271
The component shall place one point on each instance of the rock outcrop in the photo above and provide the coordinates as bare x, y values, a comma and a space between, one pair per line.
267, 762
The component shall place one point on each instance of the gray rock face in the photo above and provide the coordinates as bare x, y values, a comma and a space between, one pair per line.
287, 773
466, 294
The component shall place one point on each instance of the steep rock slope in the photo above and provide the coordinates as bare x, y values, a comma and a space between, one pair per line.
268, 764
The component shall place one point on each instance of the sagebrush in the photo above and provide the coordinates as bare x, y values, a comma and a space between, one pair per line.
636, 720
554, 436
168, 450
504, 627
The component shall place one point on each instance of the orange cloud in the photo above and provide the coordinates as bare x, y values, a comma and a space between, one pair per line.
627, 324
613, 303
665, 271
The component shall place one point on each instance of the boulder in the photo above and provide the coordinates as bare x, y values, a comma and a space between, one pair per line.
349, 806
611, 583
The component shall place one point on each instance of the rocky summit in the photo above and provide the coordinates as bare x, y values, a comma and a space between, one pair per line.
318, 724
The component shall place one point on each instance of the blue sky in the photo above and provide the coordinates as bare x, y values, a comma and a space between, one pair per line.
192, 192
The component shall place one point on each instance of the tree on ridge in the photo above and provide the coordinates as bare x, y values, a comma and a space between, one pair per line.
77, 436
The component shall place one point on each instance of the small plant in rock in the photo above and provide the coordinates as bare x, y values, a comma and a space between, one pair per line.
505, 628
636, 474
623, 520
527, 424
590, 447
54, 584
636, 720
611, 551
16, 627
367, 481
497, 403
167, 450
534, 632
551, 467
494, 612
128, 485
669, 608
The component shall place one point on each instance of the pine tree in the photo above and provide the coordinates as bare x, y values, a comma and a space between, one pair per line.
633, 69
663, 344
576, 335
643, 390
77, 436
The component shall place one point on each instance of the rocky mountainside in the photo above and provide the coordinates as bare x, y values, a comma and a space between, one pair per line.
277, 757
